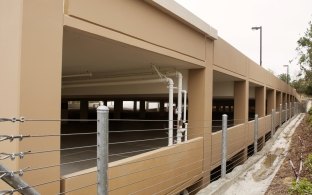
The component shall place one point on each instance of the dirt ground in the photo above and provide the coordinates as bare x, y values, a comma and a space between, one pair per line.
284, 177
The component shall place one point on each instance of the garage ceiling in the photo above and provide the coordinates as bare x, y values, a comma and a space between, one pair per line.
84, 52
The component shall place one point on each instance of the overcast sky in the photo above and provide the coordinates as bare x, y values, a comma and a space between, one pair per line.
283, 22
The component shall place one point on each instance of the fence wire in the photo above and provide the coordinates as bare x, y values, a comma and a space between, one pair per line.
149, 149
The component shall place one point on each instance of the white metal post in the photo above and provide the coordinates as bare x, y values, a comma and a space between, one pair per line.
102, 149
286, 112
280, 122
272, 122
179, 110
256, 134
170, 122
224, 145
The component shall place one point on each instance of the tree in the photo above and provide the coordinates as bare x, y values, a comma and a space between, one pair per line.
299, 85
284, 77
304, 49
304, 60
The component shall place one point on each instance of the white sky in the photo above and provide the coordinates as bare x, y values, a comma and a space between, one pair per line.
282, 21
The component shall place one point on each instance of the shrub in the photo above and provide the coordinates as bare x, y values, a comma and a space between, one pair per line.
309, 118
303, 187
308, 162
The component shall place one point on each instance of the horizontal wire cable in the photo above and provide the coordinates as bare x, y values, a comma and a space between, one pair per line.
148, 149
142, 140
138, 130
76, 189
141, 120
58, 165
184, 181
201, 186
49, 182
61, 120
64, 134
178, 175
64, 149
34, 186
229, 165
116, 154
170, 154
131, 173
154, 176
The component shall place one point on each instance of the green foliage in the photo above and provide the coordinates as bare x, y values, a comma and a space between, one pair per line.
308, 162
304, 48
299, 85
304, 60
309, 118
310, 111
303, 187
284, 77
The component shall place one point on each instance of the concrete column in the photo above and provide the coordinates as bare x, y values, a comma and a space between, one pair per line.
278, 100
118, 106
162, 107
31, 57
270, 100
135, 106
84, 108
260, 101
241, 97
241, 101
284, 100
64, 109
142, 109
200, 108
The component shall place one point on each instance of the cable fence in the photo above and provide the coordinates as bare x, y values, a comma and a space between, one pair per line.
122, 156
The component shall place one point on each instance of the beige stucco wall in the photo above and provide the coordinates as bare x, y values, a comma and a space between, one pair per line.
31, 61
144, 22
31, 54
10, 39
163, 171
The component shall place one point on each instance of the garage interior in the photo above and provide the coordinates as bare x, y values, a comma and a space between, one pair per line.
98, 69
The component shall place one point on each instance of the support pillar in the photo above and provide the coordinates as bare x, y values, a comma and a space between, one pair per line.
31, 56
64, 109
118, 107
278, 100
142, 109
200, 109
240, 102
162, 108
270, 100
84, 108
284, 100
135, 109
260, 101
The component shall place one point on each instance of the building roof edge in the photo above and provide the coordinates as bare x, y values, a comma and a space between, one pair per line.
179, 12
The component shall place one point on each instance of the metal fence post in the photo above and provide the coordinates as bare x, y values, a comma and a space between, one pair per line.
224, 145
273, 122
289, 110
16, 182
285, 112
102, 149
256, 134
280, 122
